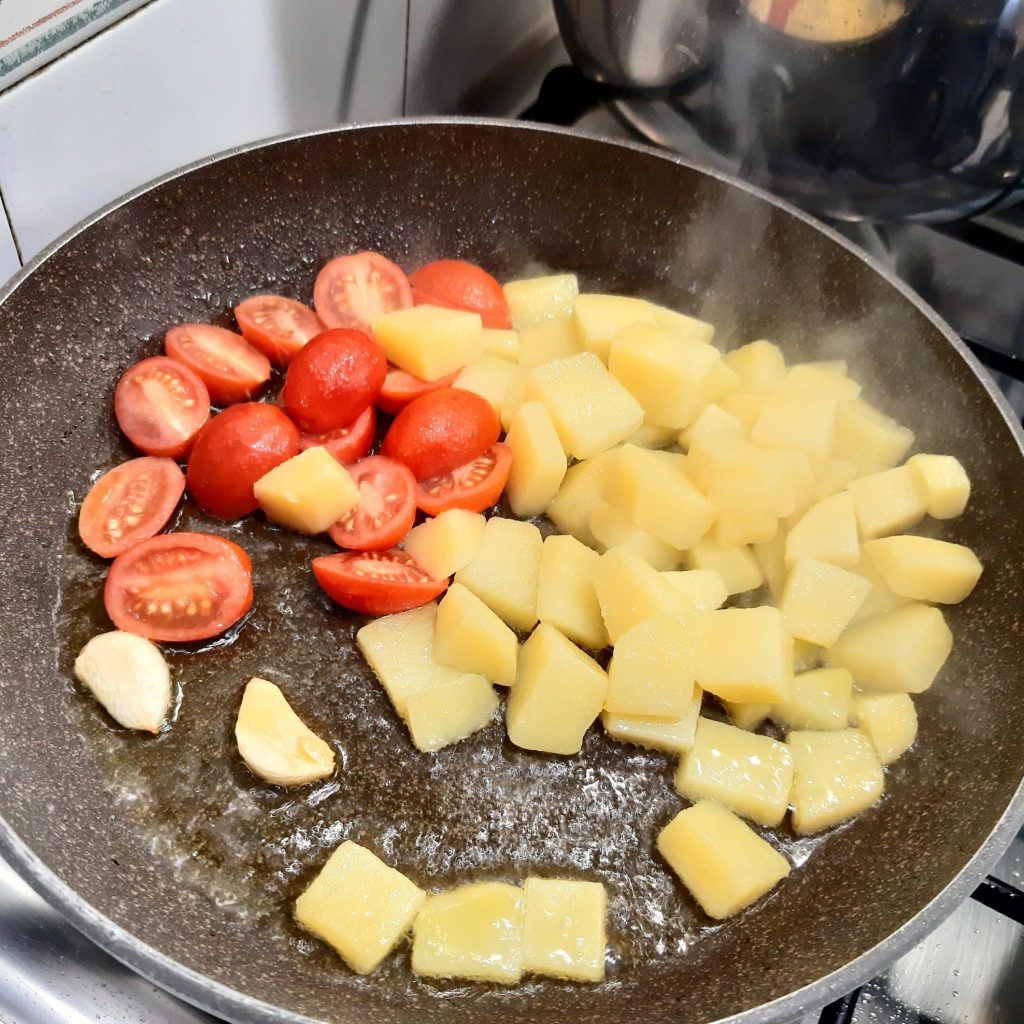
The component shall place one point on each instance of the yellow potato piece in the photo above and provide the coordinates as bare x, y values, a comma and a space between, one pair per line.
308, 493
566, 597
760, 366
737, 567
771, 560
630, 591
474, 931
721, 382
808, 378
492, 378
724, 863
274, 742
649, 436
744, 408
703, 589
803, 422
827, 532
470, 637
450, 712
558, 694
747, 715
713, 423
547, 340
746, 655
833, 477
820, 600
443, 545
612, 528
582, 486
533, 299
886, 502
805, 656
599, 318
514, 397
889, 720
868, 438
943, 483
503, 344
835, 776
880, 598
564, 929
681, 326
427, 341
925, 569
538, 461
821, 700
898, 652
675, 737
359, 905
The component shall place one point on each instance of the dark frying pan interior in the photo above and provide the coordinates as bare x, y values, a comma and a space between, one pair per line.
170, 839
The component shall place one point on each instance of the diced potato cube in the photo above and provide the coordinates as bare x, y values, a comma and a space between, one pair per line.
611, 528
925, 569
541, 342
429, 342
803, 481
835, 776
733, 531
820, 600
565, 591
880, 598
582, 486
590, 409
492, 378
703, 589
652, 490
681, 326
503, 344
749, 774
538, 461
746, 655
886, 502
599, 318
448, 713
564, 929
737, 566
889, 720
720, 383
759, 365
444, 544
724, 863
747, 715
808, 378
400, 650
533, 299
514, 397
805, 656
821, 700
942, 482
868, 438
666, 376
827, 531
470, 637
714, 422
741, 479
771, 560
474, 931
648, 436
309, 492
898, 652
675, 737
558, 694
504, 572
359, 905
630, 591
744, 408
803, 422
651, 674
833, 477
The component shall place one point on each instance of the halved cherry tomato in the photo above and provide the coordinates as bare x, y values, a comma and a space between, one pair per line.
333, 380
160, 404
277, 326
474, 486
179, 586
439, 431
400, 388
376, 582
233, 451
128, 504
461, 285
231, 368
351, 290
386, 509
346, 444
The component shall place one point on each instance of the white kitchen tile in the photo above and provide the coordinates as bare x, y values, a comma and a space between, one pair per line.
182, 79
9, 262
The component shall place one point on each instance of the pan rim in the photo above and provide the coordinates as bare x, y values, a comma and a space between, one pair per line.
233, 1005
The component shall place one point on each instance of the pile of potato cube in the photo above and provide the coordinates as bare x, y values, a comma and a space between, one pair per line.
681, 481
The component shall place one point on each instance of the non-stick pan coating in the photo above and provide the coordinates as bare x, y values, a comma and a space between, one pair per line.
171, 840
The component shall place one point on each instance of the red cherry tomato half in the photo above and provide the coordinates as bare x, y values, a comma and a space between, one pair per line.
128, 504
474, 486
439, 431
179, 586
160, 404
233, 451
332, 380
400, 388
277, 326
351, 290
346, 444
376, 582
461, 285
386, 509
231, 368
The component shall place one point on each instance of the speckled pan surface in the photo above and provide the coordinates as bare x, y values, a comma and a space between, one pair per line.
184, 868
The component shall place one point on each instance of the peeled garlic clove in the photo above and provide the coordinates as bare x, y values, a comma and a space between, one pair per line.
275, 743
128, 675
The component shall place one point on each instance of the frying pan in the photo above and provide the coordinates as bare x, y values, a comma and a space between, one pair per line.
166, 852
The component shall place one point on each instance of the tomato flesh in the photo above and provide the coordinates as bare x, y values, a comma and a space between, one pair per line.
277, 326
160, 404
400, 388
376, 582
458, 284
179, 587
233, 450
386, 509
346, 444
230, 367
129, 504
475, 486
351, 290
